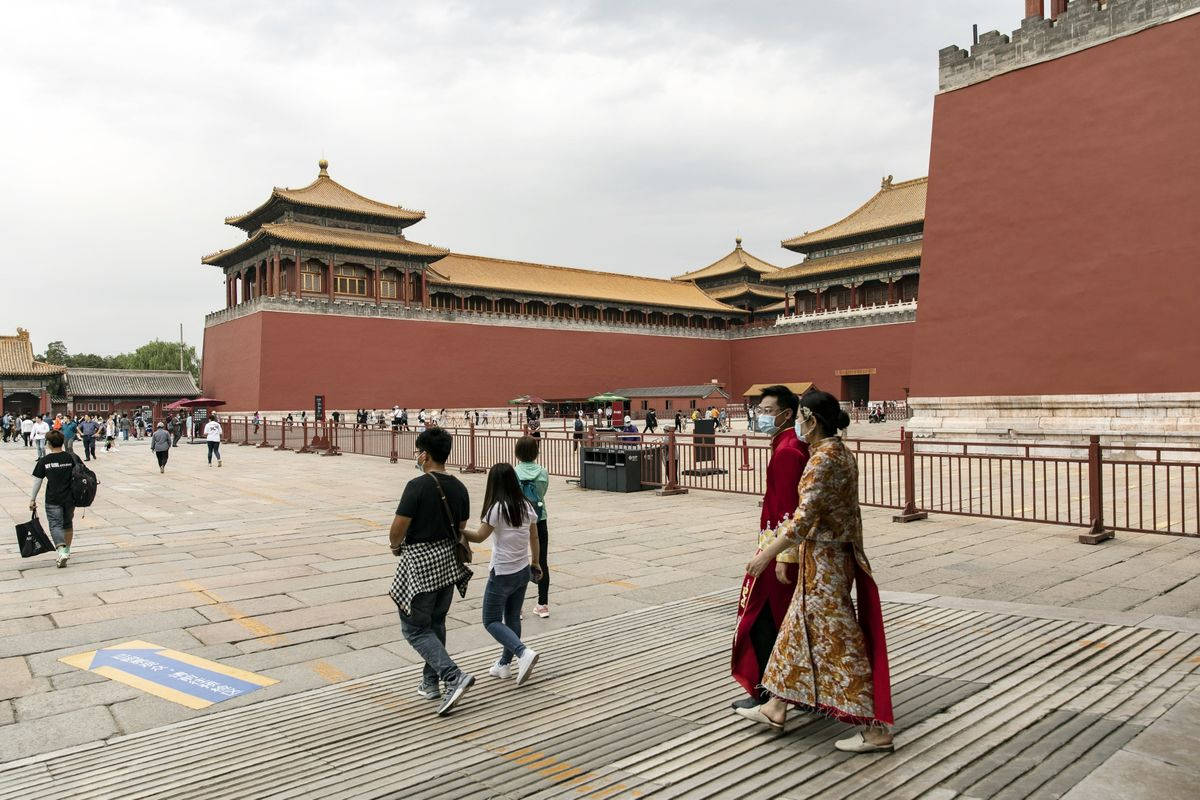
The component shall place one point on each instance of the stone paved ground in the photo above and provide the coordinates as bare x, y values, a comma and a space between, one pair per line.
278, 563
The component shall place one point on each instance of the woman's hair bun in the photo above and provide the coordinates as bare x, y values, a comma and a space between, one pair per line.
843, 420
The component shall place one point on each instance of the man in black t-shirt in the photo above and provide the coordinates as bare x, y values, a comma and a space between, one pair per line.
432, 512
55, 469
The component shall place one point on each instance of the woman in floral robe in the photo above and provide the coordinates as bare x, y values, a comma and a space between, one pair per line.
828, 658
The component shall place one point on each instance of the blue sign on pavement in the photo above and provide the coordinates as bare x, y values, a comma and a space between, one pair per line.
169, 674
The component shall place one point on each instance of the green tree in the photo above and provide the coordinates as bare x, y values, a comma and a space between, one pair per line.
56, 353
158, 354
155, 354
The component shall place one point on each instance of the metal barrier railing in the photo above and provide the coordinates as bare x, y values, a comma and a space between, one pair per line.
1100, 487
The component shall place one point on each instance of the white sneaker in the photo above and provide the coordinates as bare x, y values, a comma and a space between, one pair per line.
499, 670
60, 560
542, 611
525, 665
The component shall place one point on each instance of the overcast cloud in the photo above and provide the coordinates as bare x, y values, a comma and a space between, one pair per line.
630, 136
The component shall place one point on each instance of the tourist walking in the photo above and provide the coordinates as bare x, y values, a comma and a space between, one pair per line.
55, 469
828, 659
212, 435
38, 433
577, 435
26, 429
651, 422
763, 601
69, 427
160, 444
87, 432
110, 432
535, 482
508, 514
6, 422
123, 424
426, 533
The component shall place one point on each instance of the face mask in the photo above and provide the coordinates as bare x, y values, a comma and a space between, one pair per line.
766, 423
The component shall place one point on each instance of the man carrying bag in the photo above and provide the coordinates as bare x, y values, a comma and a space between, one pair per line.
54, 468
427, 536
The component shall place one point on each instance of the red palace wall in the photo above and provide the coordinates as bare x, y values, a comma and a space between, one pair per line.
374, 362
1062, 234
358, 361
817, 356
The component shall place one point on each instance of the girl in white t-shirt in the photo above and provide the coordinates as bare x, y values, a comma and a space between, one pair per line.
212, 435
508, 515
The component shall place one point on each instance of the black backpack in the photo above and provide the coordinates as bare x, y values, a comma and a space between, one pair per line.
83, 484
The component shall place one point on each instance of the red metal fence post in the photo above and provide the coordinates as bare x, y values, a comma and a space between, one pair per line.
245, 442
907, 455
304, 448
672, 484
470, 467
395, 456
745, 455
331, 445
1096, 531
263, 443
283, 428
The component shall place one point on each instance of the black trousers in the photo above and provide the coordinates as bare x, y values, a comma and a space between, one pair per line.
544, 583
161, 455
762, 639
89, 446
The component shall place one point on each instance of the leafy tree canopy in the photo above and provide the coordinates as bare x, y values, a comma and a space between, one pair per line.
155, 354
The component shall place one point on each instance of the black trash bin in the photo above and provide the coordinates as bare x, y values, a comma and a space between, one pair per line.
620, 468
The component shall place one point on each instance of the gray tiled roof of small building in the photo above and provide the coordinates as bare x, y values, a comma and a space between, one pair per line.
84, 382
698, 390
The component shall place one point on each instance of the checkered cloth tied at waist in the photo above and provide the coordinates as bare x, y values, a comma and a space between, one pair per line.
427, 567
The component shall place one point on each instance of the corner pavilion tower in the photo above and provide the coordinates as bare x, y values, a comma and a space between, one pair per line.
324, 240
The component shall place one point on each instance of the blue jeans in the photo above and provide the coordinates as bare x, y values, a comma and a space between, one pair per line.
503, 597
214, 449
424, 628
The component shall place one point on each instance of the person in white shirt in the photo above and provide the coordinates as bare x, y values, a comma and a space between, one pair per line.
212, 433
26, 429
39, 431
508, 515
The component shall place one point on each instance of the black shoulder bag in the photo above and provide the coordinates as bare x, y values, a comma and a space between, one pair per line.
462, 548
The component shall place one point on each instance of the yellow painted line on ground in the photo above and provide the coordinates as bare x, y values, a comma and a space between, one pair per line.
622, 584
361, 520
249, 623
560, 771
329, 672
326, 670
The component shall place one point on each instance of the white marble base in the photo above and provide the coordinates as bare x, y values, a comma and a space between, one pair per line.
1132, 419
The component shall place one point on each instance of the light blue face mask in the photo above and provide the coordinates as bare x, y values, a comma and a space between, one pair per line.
766, 423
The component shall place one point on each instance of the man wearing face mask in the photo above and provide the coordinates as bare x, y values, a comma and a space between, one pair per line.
764, 600
433, 510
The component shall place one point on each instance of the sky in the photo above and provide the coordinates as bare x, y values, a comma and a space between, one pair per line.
637, 137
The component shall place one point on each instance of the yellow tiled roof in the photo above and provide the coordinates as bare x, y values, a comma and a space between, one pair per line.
16, 358
895, 204
737, 259
860, 258
305, 234
325, 192
798, 388
742, 287
523, 277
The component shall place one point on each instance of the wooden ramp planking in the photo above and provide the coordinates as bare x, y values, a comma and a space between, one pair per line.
989, 705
